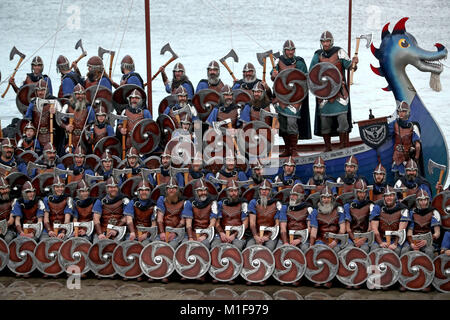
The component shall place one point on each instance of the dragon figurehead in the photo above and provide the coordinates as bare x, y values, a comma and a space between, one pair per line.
399, 49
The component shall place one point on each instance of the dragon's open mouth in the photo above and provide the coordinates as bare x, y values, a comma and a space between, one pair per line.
434, 65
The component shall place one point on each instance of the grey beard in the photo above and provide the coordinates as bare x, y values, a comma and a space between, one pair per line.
318, 177
250, 80
228, 102
203, 198
293, 203
182, 104
214, 80
325, 208
135, 106
349, 175
263, 201
80, 105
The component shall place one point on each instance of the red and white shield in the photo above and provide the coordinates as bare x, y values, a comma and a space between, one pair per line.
353, 264
441, 279
290, 264
385, 268
4, 254
324, 80
226, 262
73, 256
291, 86
192, 259
259, 264
156, 260
145, 136
204, 102
100, 258
125, 259
321, 264
255, 139
21, 256
417, 270
46, 256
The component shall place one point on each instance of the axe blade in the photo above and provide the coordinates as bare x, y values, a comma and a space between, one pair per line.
231, 54
121, 231
102, 51
277, 55
166, 48
368, 38
88, 225
66, 226
401, 234
179, 232
428, 237
342, 237
240, 230
3, 226
152, 230
38, 227
273, 231
79, 44
13, 52
302, 233
263, 55
209, 231
368, 235
432, 165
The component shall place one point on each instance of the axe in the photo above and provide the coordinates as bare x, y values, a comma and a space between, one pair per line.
336, 185
240, 184
424, 236
3, 226
88, 225
209, 231
401, 190
90, 178
179, 232
113, 117
401, 234
273, 231
240, 231
217, 181
271, 56
37, 227
101, 52
79, 44
146, 172
342, 237
368, 38
303, 233
13, 52
32, 166
185, 171
118, 172
231, 54
368, 235
277, 55
66, 226
218, 124
262, 58
164, 49
432, 165
60, 172
121, 231
6, 168
263, 114
152, 230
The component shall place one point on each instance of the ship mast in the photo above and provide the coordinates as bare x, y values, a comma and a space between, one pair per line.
149, 56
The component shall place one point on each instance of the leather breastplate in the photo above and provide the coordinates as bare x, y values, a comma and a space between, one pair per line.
143, 217
265, 216
422, 224
389, 222
233, 115
360, 218
5, 210
29, 215
85, 214
56, 212
296, 220
172, 216
201, 217
231, 216
99, 133
111, 211
327, 223
402, 143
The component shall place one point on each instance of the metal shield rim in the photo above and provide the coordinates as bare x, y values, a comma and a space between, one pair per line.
299, 276
176, 264
143, 267
229, 246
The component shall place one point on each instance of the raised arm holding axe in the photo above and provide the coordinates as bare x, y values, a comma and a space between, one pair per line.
368, 38
74, 65
231, 54
164, 49
13, 52
101, 52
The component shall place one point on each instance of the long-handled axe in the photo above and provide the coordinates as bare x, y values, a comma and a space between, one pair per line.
13, 52
368, 38
262, 58
231, 54
164, 49
79, 44
433, 165
101, 52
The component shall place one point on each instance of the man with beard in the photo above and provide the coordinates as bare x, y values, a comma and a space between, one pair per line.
213, 81
256, 174
297, 218
27, 209
83, 115
350, 176
264, 211
412, 181
231, 211
177, 111
164, 176
170, 211
82, 208
379, 182
39, 114
225, 110
260, 100
58, 209
141, 212
100, 128
7, 158
230, 171
79, 166
287, 176
135, 111
133, 163
391, 215
109, 210
196, 170
69, 79
96, 73
49, 159
130, 76
357, 214
179, 80
106, 165
28, 140
294, 120
333, 115
249, 80
6, 205
320, 177
201, 213
37, 67
406, 136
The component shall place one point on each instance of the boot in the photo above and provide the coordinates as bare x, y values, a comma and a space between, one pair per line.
342, 140
287, 151
327, 140
347, 139
293, 138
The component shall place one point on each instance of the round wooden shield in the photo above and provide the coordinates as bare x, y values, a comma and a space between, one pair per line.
24, 96
324, 80
120, 95
417, 270
111, 143
145, 136
291, 86
290, 264
46, 256
188, 190
241, 97
100, 258
125, 259
101, 93
4, 254
21, 256
353, 264
73, 255
98, 190
442, 203
167, 101
226, 262
255, 139
192, 259
204, 102
156, 260
441, 279
259, 264
321, 264
43, 183
128, 188
385, 268
167, 127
